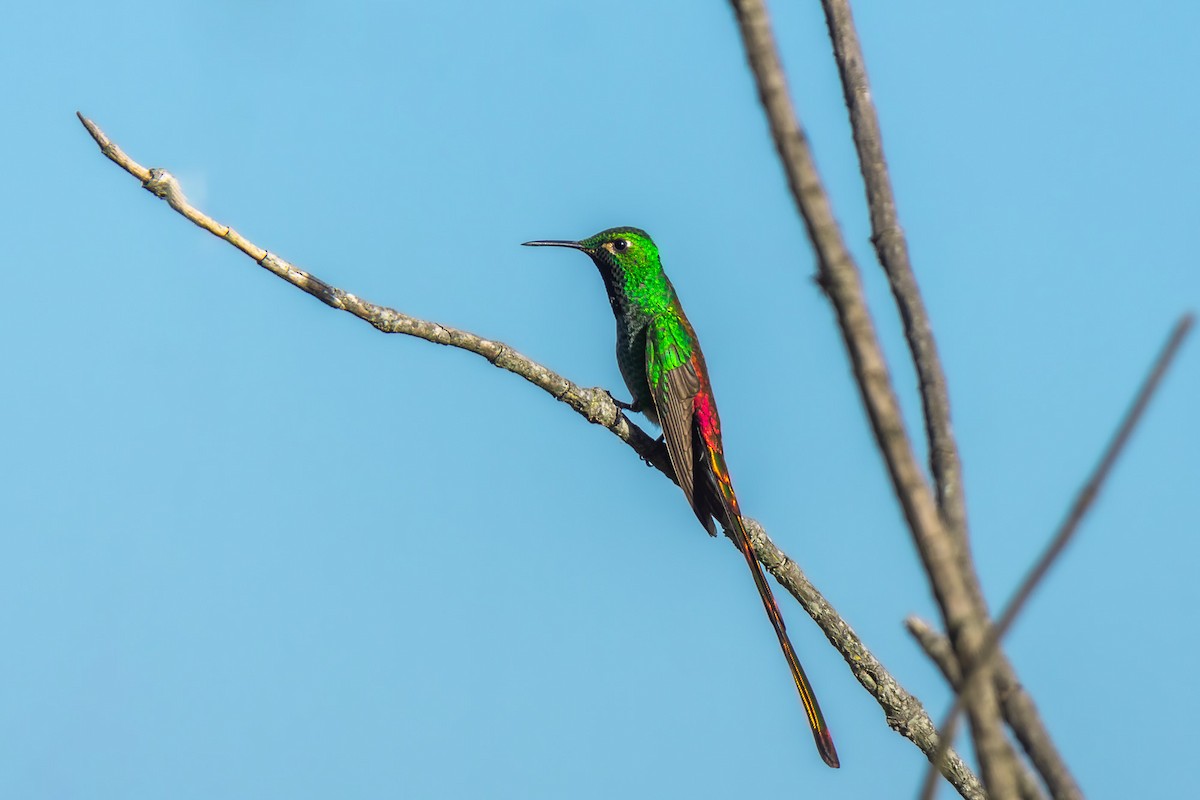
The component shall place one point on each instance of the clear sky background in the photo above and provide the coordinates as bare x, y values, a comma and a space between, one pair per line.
251, 548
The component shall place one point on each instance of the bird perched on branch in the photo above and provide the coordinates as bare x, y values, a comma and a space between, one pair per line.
660, 360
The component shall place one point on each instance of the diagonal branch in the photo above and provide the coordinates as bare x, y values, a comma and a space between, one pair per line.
1020, 711
956, 591
891, 248
938, 648
903, 711
1062, 537
594, 404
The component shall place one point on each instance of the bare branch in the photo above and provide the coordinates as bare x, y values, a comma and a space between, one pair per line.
903, 711
938, 648
1019, 709
1091, 489
1079, 508
594, 404
892, 250
957, 595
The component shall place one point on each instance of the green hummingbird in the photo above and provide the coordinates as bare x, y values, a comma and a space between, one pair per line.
660, 359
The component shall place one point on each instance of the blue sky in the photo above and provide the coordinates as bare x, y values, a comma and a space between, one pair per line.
255, 549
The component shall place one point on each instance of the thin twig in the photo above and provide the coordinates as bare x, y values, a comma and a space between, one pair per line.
939, 650
1079, 509
594, 404
1020, 712
903, 711
839, 276
892, 250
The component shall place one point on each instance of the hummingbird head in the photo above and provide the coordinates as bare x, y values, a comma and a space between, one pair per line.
626, 257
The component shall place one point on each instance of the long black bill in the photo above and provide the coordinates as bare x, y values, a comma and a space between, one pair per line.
553, 243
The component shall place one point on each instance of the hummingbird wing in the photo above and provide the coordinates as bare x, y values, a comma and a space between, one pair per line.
674, 382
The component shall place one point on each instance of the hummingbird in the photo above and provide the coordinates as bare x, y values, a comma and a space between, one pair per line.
662, 365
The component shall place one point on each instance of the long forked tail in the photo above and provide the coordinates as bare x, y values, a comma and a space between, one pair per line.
816, 720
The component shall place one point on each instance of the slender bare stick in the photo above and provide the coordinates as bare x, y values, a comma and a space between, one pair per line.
1020, 711
1026, 723
939, 650
839, 276
904, 712
892, 250
1079, 509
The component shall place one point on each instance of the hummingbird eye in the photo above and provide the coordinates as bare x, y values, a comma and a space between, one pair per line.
621, 245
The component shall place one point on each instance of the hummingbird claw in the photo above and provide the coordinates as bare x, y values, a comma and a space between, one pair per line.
621, 404
660, 447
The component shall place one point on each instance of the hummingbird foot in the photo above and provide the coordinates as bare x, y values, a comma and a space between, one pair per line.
621, 404
659, 453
